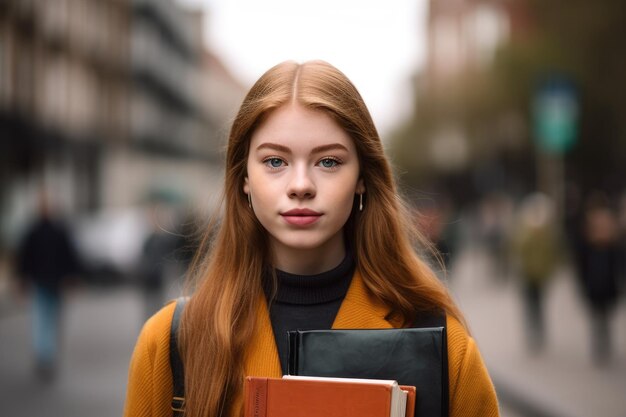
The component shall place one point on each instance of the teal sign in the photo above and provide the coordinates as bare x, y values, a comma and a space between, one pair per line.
555, 115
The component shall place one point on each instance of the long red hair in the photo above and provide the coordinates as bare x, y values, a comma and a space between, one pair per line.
219, 319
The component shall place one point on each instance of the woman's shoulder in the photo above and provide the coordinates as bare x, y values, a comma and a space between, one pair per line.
471, 387
458, 336
460, 345
155, 333
150, 380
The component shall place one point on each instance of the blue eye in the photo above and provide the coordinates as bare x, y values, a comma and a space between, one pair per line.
329, 163
274, 162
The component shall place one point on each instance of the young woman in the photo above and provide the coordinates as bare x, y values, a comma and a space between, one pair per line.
312, 235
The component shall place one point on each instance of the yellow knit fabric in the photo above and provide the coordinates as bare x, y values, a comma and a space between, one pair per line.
149, 391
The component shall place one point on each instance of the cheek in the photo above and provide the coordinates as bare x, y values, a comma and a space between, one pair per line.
265, 194
255, 180
343, 194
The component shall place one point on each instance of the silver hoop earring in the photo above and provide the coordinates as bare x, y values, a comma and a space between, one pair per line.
361, 202
249, 201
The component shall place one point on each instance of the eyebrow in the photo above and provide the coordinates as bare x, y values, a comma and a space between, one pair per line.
329, 147
317, 149
273, 146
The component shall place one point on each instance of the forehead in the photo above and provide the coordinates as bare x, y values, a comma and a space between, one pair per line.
300, 128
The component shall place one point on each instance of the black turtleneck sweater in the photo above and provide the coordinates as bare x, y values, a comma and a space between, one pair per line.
306, 302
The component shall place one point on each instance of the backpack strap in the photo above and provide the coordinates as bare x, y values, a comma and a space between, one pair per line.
176, 363
438, 319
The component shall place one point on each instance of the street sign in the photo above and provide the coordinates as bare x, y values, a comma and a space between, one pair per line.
555, 115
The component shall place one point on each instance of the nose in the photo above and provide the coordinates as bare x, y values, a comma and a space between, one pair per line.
301, 183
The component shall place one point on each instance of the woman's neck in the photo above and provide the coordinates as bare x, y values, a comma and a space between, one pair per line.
309, 261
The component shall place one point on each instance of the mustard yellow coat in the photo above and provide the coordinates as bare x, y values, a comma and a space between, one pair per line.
149, 391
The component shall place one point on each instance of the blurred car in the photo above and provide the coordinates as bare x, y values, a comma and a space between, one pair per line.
110, 244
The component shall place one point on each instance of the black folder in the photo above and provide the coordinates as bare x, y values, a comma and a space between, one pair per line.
412, 356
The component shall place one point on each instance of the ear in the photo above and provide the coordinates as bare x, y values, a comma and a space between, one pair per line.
246, 186
360, 186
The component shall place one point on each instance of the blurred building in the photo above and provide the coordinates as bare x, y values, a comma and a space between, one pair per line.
181, 100
464, 35
517, 96
458, 143
63, 98
103, 102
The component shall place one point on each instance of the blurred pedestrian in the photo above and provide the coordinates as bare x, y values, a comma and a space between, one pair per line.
188, 238
46, 260
156, 262
621, 215
433, 222
537, 251
599, 264
496, 214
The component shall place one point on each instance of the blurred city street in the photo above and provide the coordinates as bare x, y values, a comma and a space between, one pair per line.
503, 122
101, 327
98, 336
558, 382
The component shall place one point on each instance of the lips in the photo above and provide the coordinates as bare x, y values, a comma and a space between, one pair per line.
301, 217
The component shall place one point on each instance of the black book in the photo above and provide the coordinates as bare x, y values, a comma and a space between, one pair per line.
412, 356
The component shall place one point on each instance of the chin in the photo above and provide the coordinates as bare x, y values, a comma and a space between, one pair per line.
303, 243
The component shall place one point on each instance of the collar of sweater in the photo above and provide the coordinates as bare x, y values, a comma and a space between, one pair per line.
311, 289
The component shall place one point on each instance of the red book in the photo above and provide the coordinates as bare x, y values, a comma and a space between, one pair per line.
294, 396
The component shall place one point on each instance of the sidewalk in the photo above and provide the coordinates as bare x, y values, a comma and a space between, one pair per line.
558, 382
99, 332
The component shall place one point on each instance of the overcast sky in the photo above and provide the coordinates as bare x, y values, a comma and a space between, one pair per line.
377, 44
